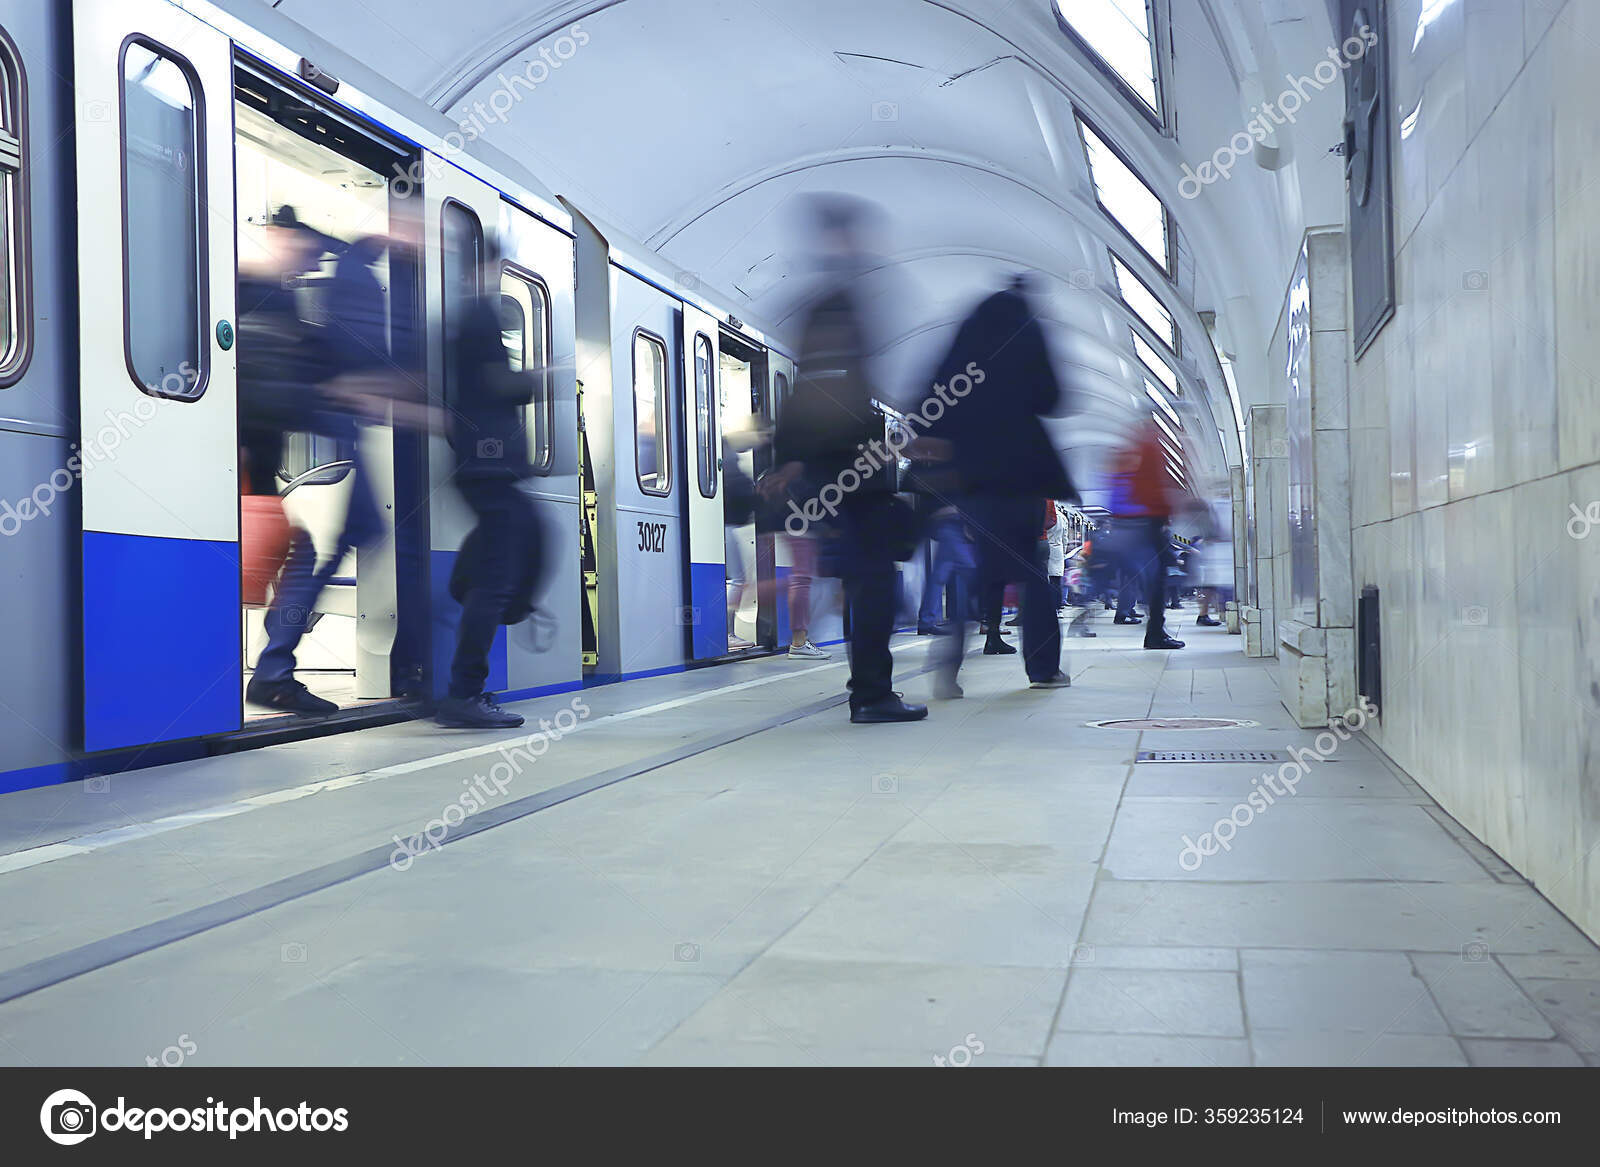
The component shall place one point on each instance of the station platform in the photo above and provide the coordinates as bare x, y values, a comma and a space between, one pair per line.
716, 868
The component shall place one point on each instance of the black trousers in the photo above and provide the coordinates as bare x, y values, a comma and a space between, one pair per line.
506, 526
1010, 551
869, 577
1147, 544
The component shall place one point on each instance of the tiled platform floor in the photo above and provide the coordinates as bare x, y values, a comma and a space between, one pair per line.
1001, 877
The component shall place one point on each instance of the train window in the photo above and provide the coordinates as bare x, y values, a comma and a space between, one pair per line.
525, 329
460, 286
650, 418
163, 286
13, 206
705, 414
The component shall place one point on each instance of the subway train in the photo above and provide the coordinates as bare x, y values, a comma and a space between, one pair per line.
144, 145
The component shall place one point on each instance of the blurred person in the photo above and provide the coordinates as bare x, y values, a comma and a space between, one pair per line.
802, 570
776, 493
1143, 498
289, 383
738, 512
830, 438
1213, 557
1056, 536
1007, 468
952, 567
489, 436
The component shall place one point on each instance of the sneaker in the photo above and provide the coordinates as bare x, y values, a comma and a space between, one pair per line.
1164, 642
738, 643
994, 646
1059, 681
886, 709
1207, 621
480, 712
288, 695
808, 651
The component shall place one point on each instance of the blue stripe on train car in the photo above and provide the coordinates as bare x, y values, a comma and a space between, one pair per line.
446, 619
161, 639
708, 604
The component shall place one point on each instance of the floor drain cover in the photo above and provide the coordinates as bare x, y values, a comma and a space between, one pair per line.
1173, 723
1212, 756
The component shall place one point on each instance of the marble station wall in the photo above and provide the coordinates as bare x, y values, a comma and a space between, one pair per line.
1475, 432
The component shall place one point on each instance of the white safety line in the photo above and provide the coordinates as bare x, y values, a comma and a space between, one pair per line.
83, 844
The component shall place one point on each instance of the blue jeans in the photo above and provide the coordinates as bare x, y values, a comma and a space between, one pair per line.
952, 557
302, 580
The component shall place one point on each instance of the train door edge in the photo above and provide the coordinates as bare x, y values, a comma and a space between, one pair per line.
158, 449
705, 583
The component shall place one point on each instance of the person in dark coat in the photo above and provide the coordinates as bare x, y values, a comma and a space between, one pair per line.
286, 368
830, 436
490, 439
1007, 469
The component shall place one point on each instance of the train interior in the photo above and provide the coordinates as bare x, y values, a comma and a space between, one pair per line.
289, 156
744, 422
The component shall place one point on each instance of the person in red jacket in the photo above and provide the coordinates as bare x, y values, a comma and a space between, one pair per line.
1144, 496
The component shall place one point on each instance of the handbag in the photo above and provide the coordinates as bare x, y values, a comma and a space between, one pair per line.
264, 537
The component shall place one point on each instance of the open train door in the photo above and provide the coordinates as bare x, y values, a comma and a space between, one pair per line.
462, 218
707, 588
158, 449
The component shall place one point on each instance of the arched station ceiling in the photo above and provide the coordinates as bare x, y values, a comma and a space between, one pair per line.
693, 125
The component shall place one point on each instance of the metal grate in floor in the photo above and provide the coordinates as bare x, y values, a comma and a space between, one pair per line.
1212, 756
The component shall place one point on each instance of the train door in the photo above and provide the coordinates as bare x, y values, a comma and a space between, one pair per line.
460, 217
158, 449
296, 158
708, 581
536, 302
746, 427
648, 577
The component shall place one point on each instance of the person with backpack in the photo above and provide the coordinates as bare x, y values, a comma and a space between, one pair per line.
1008, 469
490, 439
830, 437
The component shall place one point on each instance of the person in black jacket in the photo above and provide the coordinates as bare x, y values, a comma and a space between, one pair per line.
287, 375
1007, 469
490, 440
830, 435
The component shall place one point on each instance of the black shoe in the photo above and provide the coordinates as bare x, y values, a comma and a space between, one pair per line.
1208, 621
1164, 642
1060, 681
288, 695
1109, 606
929, 630
994, 646
1127, 620
480, 712
887, 709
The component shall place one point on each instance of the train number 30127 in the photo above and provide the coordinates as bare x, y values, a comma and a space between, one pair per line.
653, 537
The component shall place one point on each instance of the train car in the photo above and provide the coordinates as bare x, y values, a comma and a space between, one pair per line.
131, 637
